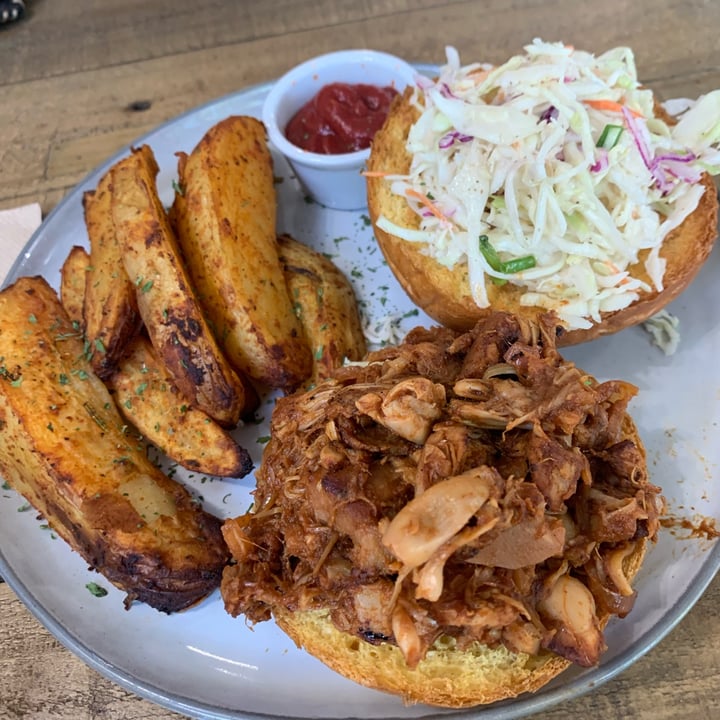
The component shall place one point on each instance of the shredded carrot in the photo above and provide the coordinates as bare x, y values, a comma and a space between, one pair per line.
616, 270
478, 76
375, 173
610, 106
426, 202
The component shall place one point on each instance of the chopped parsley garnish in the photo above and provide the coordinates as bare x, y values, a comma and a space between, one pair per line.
96, 590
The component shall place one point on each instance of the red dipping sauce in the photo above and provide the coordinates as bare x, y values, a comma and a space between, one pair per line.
341, 118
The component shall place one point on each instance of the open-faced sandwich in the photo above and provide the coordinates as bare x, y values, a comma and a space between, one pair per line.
555, 181
453, 520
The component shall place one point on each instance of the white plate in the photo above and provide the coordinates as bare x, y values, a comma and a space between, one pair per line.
204, 663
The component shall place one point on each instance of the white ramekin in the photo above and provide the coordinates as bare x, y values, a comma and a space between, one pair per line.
333, 180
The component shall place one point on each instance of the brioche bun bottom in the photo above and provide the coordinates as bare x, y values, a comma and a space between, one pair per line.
446, 677
444, 293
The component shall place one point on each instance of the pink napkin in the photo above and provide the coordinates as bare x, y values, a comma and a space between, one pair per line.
16, 227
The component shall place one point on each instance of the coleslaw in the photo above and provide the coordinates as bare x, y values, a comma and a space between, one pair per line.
554, 159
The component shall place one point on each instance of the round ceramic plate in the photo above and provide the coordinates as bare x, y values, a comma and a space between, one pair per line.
206, 664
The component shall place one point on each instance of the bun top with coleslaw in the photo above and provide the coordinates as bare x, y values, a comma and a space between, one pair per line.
554, 181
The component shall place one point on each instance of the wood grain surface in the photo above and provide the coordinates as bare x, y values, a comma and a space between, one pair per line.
80, 80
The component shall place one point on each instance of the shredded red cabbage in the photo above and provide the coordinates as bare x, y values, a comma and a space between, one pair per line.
452, 137
423, 82
550, 114
601, 163
664, 168
445, 91
674, 157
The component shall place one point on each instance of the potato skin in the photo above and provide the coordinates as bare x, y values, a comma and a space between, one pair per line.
147, 397
166, 298
325, 302
72, 283
64, 446
110, 310
224, 218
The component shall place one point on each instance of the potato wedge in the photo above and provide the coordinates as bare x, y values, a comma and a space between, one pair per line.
325, 302
225, 222
148, 398
166, 299
65, 447
110, 311
72, 283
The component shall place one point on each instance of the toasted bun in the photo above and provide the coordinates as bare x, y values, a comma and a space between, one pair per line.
444, 294
446, 677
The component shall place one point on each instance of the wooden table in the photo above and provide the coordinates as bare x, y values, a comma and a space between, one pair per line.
80, 80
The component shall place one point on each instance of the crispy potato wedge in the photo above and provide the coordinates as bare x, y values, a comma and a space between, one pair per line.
225, 222
110, 310
166, 299
325, 302
72, 284
147, 396
65, 447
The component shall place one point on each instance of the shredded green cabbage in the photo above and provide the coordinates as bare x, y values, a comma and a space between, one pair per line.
665, 331
513, 153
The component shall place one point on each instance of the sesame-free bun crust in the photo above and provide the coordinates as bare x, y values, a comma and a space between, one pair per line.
444, 294
446, 677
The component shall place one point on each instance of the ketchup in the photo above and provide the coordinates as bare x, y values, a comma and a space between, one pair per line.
341, 118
